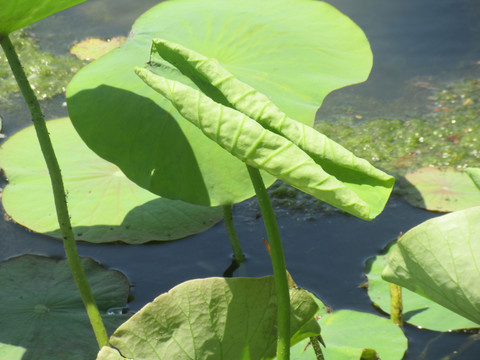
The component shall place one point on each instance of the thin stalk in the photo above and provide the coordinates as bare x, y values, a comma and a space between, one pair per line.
396, 306
232, 234
58, 191
278, 264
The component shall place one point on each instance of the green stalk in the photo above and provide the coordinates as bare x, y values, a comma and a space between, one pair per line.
396, 306
232, 234
278, 264
58, 191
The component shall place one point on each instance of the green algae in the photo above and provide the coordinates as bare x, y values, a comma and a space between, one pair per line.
446, 136
48, 74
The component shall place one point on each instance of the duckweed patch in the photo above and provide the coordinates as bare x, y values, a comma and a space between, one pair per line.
447, 136
48, 74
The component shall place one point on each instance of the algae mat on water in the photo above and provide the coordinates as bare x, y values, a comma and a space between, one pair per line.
104, 205
42, 314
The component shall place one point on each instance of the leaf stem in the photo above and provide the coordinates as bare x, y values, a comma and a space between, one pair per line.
396, 306
278, 264
58, 191
232, 234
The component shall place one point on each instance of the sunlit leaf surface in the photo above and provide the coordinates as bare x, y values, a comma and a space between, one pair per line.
417, 309
440, 259
350, 334
441, 189
214, 318
15, 14
295, 52
104, 205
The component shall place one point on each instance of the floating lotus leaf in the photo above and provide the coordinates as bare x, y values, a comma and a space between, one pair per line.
417, 309
440, 259
353, 335
441, 189
295, 52
42, 311
94, 48
214, 318
15, 14
104, 205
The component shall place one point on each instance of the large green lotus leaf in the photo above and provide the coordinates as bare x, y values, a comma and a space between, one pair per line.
441, 189
440, 259
104, 205
15, 14
249, 141
43, 313
350, 334
294, 51
214, 318
417, 309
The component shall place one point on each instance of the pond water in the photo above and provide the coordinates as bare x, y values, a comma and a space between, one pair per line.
419, 46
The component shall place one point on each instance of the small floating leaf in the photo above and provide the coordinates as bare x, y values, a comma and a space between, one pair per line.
441, 189
43, 313
417, 309
214, 318
94, 48
474, 174
440, 259
104, 205
350, 334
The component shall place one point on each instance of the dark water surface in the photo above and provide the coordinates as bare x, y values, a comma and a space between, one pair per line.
325, 253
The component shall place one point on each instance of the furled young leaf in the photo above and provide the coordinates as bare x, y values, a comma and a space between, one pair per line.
440, 259
15, 14
259, 147
294, 51
369, 184
215, 318
104, 205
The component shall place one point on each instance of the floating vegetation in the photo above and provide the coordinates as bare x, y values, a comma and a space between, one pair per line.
447, 136
48, 74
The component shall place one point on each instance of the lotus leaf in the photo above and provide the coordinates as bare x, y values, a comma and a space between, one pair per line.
417, 309
353, 335
104, 205
214, 318
440, 259
474, 174
93, 48
43, 313
15, 14
294, 51
441, 189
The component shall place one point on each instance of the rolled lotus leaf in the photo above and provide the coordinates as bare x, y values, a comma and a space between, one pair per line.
259, 147
370, 184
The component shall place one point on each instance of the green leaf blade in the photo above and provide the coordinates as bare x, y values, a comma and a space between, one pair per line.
216, 318
315, 49
15, 14
250, 142
440, 259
